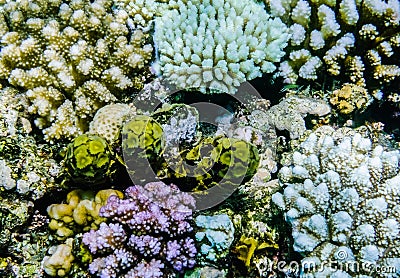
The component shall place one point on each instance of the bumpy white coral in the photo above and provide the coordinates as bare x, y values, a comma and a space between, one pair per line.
342, 33
341, 198
70, 58
218, 44
108, 120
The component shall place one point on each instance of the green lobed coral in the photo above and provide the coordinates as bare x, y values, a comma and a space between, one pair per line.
214, 159
143, 144
150, 153
89, 159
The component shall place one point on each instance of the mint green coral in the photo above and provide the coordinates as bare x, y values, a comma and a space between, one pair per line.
89, 159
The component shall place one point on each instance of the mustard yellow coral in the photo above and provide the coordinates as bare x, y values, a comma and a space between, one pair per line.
247, 246
79, 213
349, 98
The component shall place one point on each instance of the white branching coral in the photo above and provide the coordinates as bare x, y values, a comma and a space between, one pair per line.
71, 57
339, 36
218, 44
341, 197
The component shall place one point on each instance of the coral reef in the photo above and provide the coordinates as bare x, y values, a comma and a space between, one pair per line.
357, 41
80, 213
147, 233
13, 119
26, 167
257, 239
341, 199
206, 272
13, 215
89, 159
289, 114
224, 183
27, 247
218, 44
215, 235
68, 59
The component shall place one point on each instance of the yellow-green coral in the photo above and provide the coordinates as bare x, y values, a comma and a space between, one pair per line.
246, 247
201, 166
216, 158
80, 212
89, 159
143, 143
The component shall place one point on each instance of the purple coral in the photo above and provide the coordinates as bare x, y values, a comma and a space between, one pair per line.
146, 232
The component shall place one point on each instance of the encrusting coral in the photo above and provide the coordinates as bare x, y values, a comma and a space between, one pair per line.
147, 234
341, 199
357, 41
27, 168
349, 98
68, 59
217, 44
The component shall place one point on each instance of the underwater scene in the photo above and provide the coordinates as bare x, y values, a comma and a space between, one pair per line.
200, 138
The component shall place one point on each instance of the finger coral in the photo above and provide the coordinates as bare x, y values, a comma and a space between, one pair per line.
218, 44
69, 59
147, 233
341, 199
357, 41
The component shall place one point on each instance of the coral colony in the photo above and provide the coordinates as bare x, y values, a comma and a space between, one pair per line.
105, 168
158, 231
